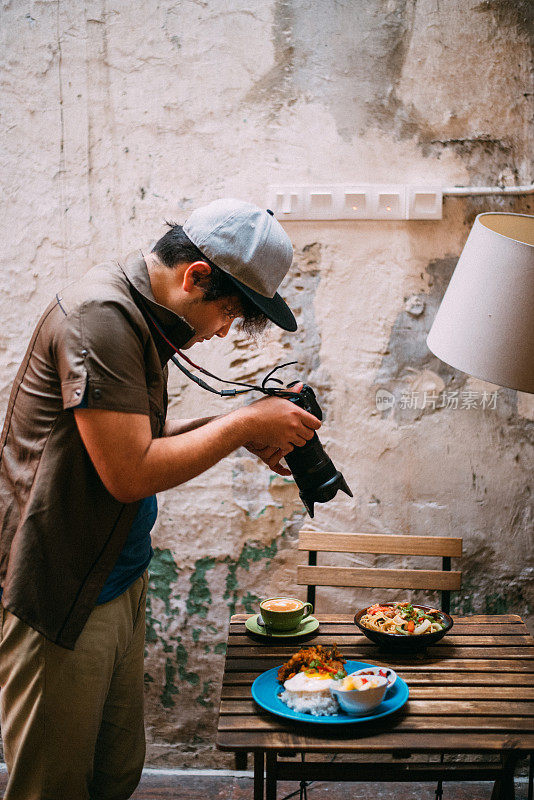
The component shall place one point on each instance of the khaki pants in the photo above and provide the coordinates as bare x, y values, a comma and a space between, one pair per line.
72, 720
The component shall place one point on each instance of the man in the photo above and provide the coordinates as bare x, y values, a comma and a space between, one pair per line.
84, 450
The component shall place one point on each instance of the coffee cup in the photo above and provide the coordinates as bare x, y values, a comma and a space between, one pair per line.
284, 613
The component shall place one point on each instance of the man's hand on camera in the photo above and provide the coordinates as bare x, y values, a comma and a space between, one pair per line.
278, 426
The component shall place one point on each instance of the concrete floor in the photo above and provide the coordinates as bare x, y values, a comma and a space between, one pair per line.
198, 785
230, 787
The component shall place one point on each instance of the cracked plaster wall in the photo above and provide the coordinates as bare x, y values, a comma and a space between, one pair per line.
116, 116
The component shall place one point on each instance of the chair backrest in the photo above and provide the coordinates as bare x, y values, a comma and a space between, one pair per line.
444, 580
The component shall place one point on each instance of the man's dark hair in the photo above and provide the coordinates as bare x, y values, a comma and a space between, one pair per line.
175, 248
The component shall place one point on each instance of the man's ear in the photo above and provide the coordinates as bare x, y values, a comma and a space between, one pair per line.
195, 275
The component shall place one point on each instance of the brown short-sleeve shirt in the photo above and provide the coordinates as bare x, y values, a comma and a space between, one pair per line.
61, 531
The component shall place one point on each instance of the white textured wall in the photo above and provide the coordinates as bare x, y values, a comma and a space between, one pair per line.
116, 115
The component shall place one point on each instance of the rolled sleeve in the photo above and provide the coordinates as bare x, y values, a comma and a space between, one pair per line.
99, 357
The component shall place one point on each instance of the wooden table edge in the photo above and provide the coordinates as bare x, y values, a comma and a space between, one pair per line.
450, 744
349, 618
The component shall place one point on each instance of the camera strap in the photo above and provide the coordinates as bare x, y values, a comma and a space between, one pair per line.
264, 389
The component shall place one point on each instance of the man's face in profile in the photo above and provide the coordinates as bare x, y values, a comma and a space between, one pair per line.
210, 318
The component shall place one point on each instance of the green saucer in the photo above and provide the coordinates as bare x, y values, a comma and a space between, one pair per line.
308, 625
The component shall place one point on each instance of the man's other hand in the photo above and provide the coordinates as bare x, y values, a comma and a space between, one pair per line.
270, 456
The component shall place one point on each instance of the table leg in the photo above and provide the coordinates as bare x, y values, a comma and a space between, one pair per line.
241, 760
271, 769
259, 758
503, 788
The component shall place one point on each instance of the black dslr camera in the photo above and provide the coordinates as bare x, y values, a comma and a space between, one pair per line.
314, 472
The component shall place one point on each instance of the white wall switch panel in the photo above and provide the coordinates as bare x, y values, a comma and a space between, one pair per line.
355, 201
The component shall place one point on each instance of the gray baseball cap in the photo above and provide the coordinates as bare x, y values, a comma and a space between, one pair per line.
251, 247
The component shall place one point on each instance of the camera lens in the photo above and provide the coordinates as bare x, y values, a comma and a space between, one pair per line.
315, 474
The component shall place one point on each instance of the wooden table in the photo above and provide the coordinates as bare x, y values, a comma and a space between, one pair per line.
473, 692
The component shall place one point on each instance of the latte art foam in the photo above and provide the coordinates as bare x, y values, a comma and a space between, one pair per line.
282, 604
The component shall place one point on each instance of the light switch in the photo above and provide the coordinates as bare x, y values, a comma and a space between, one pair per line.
356, 204
424, 202
321, 201
390, 202
286, 203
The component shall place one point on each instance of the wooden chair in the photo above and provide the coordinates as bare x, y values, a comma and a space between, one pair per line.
444, 580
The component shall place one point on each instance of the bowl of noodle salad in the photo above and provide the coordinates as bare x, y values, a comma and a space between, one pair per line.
403, 625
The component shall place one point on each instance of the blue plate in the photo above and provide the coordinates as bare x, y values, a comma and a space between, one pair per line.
265, 691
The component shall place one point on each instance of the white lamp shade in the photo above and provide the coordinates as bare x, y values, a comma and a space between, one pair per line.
485, 323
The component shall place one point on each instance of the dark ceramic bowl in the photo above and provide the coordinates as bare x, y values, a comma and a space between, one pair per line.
398, 641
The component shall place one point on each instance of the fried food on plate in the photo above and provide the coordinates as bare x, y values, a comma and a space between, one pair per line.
326, 661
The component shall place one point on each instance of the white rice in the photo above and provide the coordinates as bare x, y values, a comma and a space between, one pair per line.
320, 704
